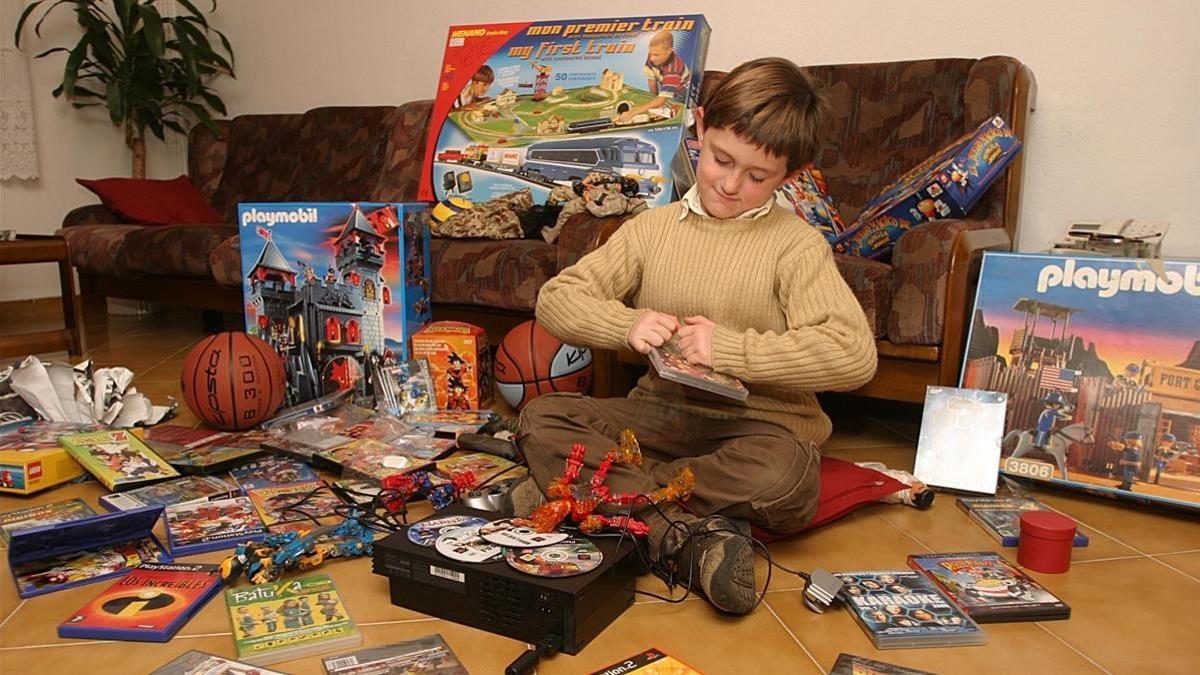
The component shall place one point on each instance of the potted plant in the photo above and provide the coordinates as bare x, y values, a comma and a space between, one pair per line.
150, 71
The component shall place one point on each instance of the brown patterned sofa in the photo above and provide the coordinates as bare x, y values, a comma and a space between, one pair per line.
889, 116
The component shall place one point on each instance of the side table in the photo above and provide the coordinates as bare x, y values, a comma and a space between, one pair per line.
38, 248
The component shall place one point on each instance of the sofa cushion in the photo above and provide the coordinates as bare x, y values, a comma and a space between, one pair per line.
99, 249
176, 250
341, 150
207, 152
148, 201
872, 284
403, 153
260, 162
225, 262
506, 274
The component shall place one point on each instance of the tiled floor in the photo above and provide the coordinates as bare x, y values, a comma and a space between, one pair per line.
1135, 592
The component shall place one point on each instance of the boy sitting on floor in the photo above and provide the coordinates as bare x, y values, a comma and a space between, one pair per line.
751, 291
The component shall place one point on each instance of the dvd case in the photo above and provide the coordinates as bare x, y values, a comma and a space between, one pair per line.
178, 491
652, 661
899, 609
272, 471
295, 502
989, 588
202, 663
214, 525
118, 459
1001, 517
671, 365
150, 604
289, 619
849, 664
43, 514
428, 655
200, 451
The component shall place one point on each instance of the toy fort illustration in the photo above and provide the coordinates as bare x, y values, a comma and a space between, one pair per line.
332, 285
1100, 358
534, 105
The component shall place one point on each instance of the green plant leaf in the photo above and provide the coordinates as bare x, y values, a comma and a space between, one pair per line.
71, 69
116, 103
152, 25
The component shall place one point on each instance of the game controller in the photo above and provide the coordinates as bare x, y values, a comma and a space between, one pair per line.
495, 497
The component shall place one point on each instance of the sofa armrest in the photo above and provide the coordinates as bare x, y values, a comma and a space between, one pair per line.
932, 266
582, 234
92, 214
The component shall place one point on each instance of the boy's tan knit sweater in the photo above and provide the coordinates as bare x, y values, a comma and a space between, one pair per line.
787, 324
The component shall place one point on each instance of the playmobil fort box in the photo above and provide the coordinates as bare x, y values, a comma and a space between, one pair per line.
1100, 358
539, 104
332, 286
947, 185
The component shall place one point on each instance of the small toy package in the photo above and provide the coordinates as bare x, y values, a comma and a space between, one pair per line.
947, 185
459, 362
64, 555
31, 458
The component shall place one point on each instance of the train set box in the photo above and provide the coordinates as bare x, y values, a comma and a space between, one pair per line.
539, 104
333, 285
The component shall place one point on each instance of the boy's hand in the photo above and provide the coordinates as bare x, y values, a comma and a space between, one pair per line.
695, 340
651, 329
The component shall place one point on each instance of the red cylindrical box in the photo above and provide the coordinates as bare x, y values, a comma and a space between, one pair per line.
1046, 541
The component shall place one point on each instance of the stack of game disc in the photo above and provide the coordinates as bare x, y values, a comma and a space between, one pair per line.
475, 540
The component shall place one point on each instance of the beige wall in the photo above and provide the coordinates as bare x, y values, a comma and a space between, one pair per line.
1116, 133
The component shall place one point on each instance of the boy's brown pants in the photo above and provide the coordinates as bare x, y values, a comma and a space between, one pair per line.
744, 468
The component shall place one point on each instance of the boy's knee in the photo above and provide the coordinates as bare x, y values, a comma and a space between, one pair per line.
791, 502
542, 409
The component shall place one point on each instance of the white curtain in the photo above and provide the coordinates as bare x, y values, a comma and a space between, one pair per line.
18, 141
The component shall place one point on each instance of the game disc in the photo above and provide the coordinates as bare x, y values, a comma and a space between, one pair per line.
565, 559
463, 544
426, 532
518, 533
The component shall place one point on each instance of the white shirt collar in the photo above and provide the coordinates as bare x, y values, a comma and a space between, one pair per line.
691, 202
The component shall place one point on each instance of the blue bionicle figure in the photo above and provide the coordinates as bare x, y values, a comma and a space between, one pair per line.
266, 561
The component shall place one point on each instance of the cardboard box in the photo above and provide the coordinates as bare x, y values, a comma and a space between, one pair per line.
331, 285
459, 363
534, 104
27, 471
1100, 358
947, 185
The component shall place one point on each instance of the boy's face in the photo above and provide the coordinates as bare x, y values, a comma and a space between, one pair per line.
479, 87
660, 51
734, 175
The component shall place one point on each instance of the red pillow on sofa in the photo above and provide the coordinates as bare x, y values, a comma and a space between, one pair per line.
153, 202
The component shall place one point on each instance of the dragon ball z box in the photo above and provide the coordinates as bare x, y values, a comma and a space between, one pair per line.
947, 185
539, 104
334, 285
458, 363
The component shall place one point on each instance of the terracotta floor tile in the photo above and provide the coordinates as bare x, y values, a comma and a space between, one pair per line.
1148, 530
9, 602
1129, 615
1188, 563
827, 635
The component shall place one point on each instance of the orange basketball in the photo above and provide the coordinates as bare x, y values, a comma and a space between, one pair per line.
232, 381
531, 362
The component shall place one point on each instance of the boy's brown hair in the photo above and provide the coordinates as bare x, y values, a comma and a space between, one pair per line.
773, 104
484, 74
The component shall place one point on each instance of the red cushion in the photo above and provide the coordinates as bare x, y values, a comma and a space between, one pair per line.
845, 486
153, 202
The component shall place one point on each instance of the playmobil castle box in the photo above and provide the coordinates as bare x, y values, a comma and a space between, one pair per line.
539, 104
947, 185
332, 286
1100, 358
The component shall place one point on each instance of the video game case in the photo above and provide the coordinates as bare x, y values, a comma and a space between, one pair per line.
372, 460
202, 663
450, 423
901, 608
989, 588
296, 502
671, 365
118, 459
483, 466
429, 655
272, 471
213, 525
651, 662
201, 451
290, 619
1001, 517
150, 604
849, 664
43, 514
182, 490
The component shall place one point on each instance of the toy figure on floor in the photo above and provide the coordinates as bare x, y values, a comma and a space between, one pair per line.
266, 561
580, 501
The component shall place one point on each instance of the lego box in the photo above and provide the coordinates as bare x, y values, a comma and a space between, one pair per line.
947, 185
333, 285
539, 104
31, 458
459, 362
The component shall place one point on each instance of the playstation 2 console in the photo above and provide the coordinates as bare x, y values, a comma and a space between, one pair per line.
567, 612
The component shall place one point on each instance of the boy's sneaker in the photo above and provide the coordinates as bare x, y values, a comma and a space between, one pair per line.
718, 564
